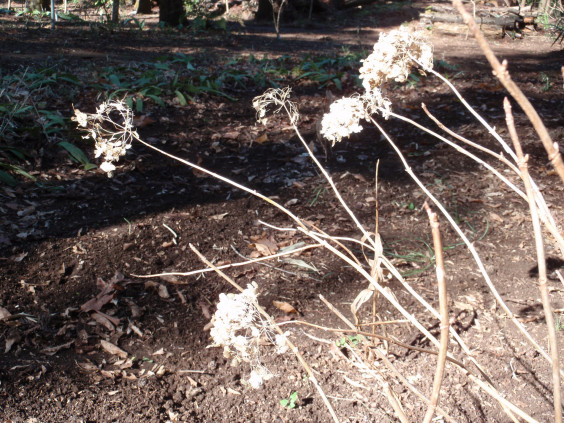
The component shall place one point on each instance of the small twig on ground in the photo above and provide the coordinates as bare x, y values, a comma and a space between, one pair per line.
443, 307
227, 266
370, 335
541, 259
394, 402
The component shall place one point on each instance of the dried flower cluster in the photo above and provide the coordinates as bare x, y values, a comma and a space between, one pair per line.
278, 99
394, 55
393, 58
343, 118
111, 128
239, 328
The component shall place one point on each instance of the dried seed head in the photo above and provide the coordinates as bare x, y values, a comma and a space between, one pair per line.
275, 99
239, 328
393, 57
111, 128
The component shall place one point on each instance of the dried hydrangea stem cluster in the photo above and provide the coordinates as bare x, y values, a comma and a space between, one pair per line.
238, 326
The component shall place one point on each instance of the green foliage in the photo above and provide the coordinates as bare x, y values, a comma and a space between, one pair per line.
26, 96
545, 79
291, 401
136, 23
329, 70
70, 17
7, 178
558, 323
77, 155
348, 340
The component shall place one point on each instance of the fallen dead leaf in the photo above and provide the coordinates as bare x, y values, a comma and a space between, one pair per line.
135, 309
181, 296
285, 307
4, 313
54, 350
231, 135
143, 121
106, 294
135, 329
161, 371
192, 381
108, 373
88, 366
198, 173
219, 216
18, 257
9, 344
495, 217
262, 138
128, 376
113, 349
101, 319
205, 309
265, 246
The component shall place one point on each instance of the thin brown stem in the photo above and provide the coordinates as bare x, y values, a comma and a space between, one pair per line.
477, 146
394, 402
500, 71
443, 307
541, 259
544, 212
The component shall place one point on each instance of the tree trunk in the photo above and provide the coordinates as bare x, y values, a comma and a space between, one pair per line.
264, 11
115, 11
171, 12
143, 7
295, 9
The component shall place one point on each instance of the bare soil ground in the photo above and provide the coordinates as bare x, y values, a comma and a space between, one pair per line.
76, 233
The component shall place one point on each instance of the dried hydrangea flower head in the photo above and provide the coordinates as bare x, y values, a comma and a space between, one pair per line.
343, 119
238, 327
346, 113
277, 99
394, 55
111, 128
392, 58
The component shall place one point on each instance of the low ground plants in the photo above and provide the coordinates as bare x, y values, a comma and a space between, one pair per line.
30, 99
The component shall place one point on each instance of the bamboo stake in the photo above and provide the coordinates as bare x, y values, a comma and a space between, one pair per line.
541, 259
443, 307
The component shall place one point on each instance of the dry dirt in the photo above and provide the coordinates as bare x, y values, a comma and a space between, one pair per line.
77, 234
